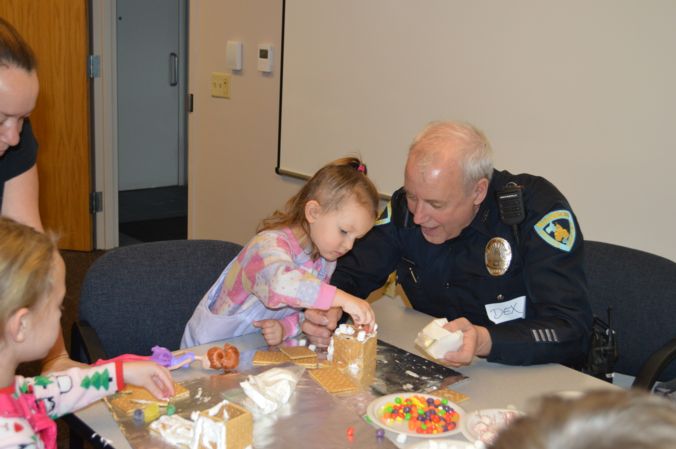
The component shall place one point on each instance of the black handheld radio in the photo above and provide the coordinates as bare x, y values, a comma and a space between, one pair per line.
603, 351
510, 204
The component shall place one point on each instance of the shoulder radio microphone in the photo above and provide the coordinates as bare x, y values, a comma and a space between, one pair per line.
511, 207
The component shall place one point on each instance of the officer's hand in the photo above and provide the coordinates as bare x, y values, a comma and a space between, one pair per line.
320, 324
476, 341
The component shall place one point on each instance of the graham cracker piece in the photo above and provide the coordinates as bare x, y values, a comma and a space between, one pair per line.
332, 380
269, 358
132, 397
297, 352
307, 362
451, 395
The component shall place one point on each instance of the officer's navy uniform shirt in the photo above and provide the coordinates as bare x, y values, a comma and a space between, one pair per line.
451, 279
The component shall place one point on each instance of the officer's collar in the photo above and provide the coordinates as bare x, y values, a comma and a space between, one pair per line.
488, 210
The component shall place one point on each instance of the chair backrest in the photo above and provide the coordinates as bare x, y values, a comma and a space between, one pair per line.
641, 289
139, 296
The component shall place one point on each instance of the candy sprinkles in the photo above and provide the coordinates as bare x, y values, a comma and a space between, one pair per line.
424, 415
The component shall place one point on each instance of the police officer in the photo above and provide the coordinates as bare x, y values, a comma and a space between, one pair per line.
511, 278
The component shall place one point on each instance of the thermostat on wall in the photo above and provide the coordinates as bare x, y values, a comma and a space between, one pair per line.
265, 58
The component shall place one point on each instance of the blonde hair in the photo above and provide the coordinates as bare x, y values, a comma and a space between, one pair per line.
26, 261
330, 186
476, 155
604, 419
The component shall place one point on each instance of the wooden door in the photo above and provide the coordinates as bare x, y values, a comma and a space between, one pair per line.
58, 32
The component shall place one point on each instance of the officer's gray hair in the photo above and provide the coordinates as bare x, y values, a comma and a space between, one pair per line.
603, 419
477, 155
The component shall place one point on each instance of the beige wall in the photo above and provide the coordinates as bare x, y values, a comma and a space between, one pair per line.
233, 142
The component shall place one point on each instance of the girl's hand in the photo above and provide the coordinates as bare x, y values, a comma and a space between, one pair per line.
359, 309
272, 331
151, 376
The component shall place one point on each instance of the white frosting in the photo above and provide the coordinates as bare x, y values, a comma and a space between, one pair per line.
270, 389
345, 329
329, 351
174, 429
209, 433
354, 368
213, 411
348, 330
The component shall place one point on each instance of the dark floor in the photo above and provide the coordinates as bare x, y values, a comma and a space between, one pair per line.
150, 215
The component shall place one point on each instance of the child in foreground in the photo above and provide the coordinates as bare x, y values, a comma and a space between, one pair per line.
598, 419
287, 266
32, 287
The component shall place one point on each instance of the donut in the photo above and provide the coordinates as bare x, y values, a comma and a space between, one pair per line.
231, 358
215, 356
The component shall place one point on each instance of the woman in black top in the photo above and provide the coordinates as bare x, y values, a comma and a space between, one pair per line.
18, 148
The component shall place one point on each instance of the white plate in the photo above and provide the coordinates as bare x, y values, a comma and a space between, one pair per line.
375, 413
484, 424
443, 444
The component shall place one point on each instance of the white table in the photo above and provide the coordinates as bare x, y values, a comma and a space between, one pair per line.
490, 385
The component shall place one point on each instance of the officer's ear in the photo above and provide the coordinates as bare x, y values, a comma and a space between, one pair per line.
479, 191
312, 211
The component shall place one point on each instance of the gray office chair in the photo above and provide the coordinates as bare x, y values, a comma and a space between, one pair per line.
139, 296
641, 290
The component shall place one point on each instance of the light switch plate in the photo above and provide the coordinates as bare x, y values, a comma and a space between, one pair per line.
220, 85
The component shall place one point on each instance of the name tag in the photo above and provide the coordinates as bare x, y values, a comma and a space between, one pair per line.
513, 309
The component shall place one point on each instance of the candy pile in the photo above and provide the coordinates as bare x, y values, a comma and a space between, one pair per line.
423, 415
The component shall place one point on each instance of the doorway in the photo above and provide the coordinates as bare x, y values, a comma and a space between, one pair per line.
151, 72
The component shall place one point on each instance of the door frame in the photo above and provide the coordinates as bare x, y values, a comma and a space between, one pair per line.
104, 116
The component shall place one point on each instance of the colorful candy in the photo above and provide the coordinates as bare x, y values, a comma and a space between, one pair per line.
380, 434
171, 409
424, 415
350, 434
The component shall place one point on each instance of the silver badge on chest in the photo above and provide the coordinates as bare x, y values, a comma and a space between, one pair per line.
498, 256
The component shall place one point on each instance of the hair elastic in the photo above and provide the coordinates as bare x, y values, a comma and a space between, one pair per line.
361, 168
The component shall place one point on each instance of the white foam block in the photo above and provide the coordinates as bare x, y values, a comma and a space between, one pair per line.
436, 340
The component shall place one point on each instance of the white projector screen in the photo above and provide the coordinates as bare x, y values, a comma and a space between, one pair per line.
579, 92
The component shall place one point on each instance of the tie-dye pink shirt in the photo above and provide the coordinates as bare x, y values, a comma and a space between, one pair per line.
271, 278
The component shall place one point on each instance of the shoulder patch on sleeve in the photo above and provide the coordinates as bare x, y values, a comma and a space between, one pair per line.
386, 216
557, 228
